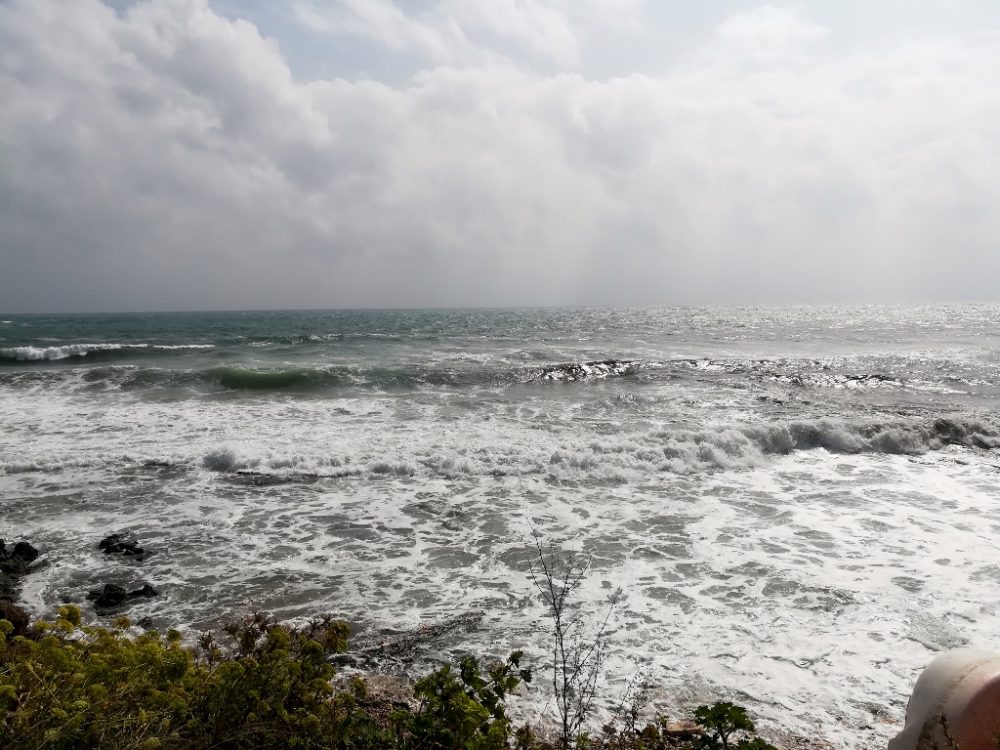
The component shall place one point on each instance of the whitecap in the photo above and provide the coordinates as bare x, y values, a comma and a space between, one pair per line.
52, 353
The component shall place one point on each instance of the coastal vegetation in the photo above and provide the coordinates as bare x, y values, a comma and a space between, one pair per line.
258, 683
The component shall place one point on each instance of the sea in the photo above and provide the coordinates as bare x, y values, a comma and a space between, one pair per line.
799, 505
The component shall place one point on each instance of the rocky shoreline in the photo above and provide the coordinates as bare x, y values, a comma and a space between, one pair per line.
15, 563
380, 659
22, 559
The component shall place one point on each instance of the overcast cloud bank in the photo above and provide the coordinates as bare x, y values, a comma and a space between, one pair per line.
165, 156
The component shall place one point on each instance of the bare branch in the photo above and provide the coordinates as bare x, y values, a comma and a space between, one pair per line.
577, 657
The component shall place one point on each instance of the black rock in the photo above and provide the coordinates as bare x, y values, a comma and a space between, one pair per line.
8, 587
121, 544
25, 551
146, 592
16, 561
112, 595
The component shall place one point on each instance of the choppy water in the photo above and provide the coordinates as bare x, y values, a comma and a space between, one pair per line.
800, 504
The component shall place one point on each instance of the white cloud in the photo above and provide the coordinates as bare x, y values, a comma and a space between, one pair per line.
768, 35
544, 29
384, 22
167, 157
472, 32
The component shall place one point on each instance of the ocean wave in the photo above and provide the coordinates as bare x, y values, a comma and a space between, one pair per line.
589, 370
76, 351
226, 460
241, 378
747, 446
301, 380
322, 338
104, 370
799, 372
181, 347
867, 374
405, 377
51, 465
623, 457
613, 459
690, 451
53, 353
322, 379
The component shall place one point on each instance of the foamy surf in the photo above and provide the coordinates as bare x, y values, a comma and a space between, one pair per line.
798, 506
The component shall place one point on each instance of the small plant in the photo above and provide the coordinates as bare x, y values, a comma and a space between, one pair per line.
466, 711
723, 722
577, 657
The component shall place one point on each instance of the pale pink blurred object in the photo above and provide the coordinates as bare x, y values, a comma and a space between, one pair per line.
955, 704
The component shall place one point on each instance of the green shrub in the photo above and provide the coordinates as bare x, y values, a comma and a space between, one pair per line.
256, 684
263, 685
260, 684
723, 723
71, 687
466, 711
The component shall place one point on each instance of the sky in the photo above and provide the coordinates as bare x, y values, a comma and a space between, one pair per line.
255, 154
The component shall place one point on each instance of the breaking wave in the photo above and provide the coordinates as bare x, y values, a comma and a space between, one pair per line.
301, 379
687, 451
747, 446
589, 370
105, 368
77, 351
615, 459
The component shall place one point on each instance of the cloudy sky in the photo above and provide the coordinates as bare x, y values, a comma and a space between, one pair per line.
220, 154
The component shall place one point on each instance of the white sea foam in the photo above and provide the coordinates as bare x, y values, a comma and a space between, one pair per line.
588, 370
821, 608
180, 347
41, 466
480, 451
54, 353
225, 459
35, 353
812, 545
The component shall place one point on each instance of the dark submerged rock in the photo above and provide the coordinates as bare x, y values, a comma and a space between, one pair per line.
24, 551
146, 591
109, 596
112, 596
121, 544
15, 562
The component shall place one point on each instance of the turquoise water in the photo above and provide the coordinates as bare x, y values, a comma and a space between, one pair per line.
797, 501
